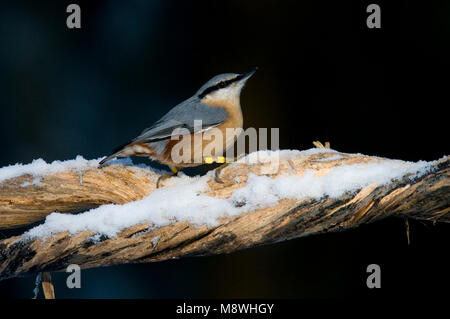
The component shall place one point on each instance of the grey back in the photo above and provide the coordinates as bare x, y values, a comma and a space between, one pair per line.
183, 116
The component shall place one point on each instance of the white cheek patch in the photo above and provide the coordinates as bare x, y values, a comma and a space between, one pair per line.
226, 93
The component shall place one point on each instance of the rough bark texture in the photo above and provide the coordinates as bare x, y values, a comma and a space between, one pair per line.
423, 198
71, 191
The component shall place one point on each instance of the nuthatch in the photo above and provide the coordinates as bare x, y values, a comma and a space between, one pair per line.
216, 104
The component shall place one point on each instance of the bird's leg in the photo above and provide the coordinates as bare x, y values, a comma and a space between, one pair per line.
166, 176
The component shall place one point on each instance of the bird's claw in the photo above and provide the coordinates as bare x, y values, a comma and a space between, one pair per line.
218, 171
166, 176
217, 178
161, 178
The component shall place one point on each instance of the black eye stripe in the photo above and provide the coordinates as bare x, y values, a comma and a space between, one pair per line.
220, 85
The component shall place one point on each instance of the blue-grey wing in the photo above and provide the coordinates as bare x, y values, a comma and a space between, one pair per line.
183, 116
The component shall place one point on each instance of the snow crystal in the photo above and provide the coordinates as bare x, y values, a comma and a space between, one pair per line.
184, 198
155, 240
36, 182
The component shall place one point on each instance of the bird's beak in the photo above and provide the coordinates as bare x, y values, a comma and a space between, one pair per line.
245, 76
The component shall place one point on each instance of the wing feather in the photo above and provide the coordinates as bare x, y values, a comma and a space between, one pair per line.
183, 116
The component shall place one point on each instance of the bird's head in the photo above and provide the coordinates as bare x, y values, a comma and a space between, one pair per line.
224, 87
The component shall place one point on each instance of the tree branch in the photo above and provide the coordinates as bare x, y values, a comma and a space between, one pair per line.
424, 198
71, 191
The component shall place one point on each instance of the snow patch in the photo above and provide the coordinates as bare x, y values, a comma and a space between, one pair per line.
266, 156
155, 240
331, 158
36, 182
39, 167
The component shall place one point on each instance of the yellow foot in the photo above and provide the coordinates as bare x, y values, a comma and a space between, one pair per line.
166, 176
317, 144
210, 160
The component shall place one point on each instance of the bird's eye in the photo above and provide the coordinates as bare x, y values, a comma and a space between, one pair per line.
222, 85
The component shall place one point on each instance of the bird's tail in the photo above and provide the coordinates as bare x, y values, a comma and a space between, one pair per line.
107, 159
116, 153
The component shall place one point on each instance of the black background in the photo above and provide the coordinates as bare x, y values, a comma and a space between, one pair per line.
323, 75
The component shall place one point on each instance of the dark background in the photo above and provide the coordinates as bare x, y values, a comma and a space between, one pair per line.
323, 75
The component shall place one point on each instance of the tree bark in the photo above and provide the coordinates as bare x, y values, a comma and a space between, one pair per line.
424, 198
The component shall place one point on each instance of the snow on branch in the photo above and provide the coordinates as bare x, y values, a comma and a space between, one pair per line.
126, 219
